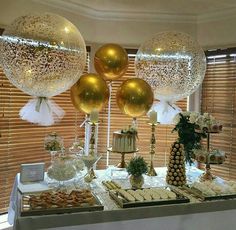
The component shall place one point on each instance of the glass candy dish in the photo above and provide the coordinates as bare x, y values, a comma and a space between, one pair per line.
63, 169
76, 147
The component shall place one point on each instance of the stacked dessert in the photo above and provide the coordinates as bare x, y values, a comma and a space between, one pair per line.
176, 167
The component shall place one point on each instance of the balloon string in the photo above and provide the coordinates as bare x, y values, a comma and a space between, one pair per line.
109, 122
84, 121
170, 104
166, 105
86, 134
134, 122
76, 126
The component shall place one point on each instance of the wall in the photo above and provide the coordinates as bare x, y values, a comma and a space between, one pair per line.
217, 34
210, 34
127, 33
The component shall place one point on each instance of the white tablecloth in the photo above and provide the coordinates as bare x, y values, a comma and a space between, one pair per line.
210, 220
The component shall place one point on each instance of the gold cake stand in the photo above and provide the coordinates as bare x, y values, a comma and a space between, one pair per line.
122, 163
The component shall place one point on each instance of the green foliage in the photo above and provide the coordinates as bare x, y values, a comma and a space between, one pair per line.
188, 136
137, 166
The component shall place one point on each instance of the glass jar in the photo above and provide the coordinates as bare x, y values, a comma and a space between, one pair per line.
62, 169
54, 144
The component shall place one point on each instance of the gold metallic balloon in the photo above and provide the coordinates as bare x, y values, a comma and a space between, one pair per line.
89, 93
111, 61
134, 97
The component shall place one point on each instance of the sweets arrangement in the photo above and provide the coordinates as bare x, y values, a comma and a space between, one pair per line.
110, 185
59, 202
148, 194
176, 167
47, 200
128, 198
212, 188
214, 157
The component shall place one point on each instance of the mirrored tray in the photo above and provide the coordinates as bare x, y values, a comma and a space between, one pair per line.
202, 196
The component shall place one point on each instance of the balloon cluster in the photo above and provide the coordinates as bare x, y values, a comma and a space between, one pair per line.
134, 96
44, 55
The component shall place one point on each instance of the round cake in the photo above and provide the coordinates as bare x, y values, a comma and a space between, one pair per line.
123, 142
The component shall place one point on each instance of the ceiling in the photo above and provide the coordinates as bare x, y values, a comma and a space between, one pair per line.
192, 10
191, 7
130, 22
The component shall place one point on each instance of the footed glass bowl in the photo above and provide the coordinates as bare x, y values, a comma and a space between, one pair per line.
62, 169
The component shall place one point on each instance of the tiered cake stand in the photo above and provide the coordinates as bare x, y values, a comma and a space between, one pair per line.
122, 163
207, 175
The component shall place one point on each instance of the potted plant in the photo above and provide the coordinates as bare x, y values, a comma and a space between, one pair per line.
136, 168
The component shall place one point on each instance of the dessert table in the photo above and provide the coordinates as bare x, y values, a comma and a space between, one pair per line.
212, 215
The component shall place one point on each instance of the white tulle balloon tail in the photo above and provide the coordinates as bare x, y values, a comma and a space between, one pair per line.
166, 111
42, 111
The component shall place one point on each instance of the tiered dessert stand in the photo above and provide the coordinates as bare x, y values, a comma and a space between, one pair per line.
207, 175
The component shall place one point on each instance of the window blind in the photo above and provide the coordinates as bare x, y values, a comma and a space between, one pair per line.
22, 142
219, 99
164, 137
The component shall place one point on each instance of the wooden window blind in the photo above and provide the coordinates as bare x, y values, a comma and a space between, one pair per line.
118, 121
22, 142
219, 99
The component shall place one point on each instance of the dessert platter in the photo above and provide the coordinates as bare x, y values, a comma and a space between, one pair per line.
128, 198
55, 202
212, 190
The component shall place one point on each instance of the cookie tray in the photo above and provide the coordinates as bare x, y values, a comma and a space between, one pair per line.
123, 203
27, 211
200, 195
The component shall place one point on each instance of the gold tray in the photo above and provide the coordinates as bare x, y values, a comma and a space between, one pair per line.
200, 195
123, 203
26, 210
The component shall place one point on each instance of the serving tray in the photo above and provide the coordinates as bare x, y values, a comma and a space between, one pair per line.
200, 195
124, 203
27, 210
